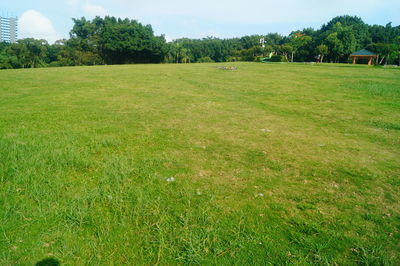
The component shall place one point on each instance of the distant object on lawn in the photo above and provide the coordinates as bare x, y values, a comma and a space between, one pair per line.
227, 68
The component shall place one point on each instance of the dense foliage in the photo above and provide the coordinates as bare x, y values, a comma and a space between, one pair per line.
119, 41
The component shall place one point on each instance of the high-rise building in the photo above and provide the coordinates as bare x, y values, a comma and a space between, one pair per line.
8, 29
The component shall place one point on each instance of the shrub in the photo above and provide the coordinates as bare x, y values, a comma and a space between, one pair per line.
205, 59
278, 58
55, 64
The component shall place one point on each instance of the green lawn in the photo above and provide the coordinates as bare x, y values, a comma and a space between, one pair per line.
191, 164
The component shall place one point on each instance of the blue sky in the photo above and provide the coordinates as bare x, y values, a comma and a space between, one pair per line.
52, 19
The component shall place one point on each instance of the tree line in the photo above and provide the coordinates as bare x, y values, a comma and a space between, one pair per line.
111, 40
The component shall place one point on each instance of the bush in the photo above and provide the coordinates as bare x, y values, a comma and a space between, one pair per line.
278, 58
247, 58
205, 59
55, 64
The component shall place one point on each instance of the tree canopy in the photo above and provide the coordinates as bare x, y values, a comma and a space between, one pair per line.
111, 40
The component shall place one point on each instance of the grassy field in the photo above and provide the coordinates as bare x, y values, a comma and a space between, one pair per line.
191, 164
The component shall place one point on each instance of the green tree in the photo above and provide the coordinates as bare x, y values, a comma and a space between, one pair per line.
18, 55
286, 50
341, 42
298, 40
118, 41
359, 30
335, 46
322, 50
385, 51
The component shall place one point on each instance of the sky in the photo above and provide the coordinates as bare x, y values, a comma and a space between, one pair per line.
52, 19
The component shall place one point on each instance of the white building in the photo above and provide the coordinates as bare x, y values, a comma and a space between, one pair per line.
8, 29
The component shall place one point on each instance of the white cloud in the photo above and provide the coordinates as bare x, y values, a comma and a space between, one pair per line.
168, 38
94, 10
72, 3
32, 24
88, 8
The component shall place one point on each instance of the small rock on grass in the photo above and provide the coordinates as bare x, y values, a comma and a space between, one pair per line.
170, 179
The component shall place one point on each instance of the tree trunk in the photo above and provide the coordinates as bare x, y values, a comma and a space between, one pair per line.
292, 56
286, 57
322, 58
381, 60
